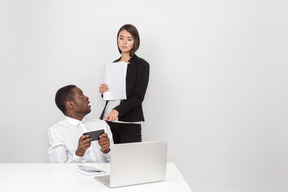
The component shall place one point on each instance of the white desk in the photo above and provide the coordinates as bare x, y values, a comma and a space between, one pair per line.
63, 177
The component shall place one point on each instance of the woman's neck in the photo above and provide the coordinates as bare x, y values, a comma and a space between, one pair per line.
125, 57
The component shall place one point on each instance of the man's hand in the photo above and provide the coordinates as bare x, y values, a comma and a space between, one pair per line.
83, 144
104, 143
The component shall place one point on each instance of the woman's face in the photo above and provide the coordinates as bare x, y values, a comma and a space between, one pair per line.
125, 41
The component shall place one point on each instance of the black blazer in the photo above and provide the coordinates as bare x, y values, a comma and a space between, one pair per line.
137, 77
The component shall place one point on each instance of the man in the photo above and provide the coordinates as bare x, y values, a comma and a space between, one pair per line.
67, 144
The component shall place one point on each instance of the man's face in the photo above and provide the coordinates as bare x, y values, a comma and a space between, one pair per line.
81, 102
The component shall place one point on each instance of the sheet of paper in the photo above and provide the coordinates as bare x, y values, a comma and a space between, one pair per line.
115, 78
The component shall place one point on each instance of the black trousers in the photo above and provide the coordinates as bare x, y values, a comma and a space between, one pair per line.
125, 133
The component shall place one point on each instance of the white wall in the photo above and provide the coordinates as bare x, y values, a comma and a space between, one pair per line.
218, 87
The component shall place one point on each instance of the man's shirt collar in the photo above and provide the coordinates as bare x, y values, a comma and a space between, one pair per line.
73, 121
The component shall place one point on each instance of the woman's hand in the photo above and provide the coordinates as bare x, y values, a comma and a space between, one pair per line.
103, 88
112, 116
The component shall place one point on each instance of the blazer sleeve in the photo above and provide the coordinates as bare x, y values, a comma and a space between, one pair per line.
139, 91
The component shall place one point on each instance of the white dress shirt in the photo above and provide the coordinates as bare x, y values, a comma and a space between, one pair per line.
64, 137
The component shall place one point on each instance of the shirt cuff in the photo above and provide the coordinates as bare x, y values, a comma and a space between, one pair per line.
77, 159
107, 155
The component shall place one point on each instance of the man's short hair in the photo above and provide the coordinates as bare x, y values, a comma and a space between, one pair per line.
63, 95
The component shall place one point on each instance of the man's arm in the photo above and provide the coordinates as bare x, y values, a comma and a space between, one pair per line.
83, 144
57, 151
106, 141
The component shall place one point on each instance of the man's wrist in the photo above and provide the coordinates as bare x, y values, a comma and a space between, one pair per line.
79, 154
106, 151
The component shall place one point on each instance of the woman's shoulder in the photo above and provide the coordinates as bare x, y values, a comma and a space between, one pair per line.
139, 60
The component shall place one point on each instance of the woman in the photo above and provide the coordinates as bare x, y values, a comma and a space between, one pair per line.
125, 116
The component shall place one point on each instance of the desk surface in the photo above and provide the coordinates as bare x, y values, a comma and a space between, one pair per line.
63, 177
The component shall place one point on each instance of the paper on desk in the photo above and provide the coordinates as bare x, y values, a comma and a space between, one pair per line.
89, 170
89, 173
115, 78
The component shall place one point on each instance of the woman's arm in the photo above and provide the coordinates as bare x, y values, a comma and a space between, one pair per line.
139, 91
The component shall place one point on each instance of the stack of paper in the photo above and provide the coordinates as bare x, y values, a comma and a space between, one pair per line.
115, 78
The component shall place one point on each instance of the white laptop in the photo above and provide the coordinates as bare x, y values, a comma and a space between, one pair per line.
136, 163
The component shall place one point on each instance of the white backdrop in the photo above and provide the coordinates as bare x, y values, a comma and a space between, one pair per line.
217, 92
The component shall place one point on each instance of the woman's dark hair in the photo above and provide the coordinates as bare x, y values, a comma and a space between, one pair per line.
63, 95
134, 32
